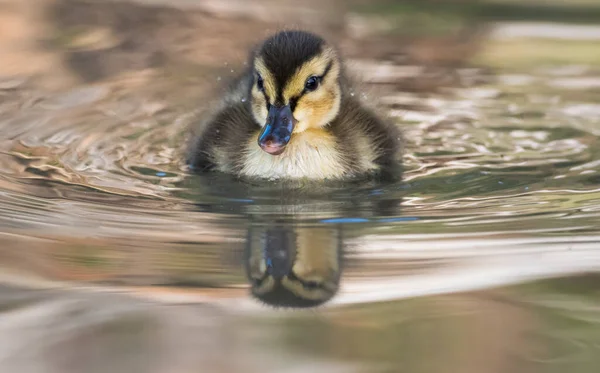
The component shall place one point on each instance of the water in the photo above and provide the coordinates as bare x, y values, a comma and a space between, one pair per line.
114, 257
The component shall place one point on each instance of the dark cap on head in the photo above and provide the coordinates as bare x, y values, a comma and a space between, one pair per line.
285, 51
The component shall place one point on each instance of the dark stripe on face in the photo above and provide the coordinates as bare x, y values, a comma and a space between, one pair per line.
294, 100
264, 92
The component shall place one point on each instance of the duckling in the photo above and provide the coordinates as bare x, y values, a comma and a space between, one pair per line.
291, 115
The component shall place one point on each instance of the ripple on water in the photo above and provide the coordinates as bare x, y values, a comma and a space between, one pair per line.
104, 162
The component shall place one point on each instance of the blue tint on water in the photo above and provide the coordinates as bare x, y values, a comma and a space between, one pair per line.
345, 220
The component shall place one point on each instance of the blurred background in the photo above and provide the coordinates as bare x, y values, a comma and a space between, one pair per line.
485, 257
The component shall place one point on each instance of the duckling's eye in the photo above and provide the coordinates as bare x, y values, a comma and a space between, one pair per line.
260, 84
312, 83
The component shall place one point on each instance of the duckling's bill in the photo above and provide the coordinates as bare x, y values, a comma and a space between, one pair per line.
277, 132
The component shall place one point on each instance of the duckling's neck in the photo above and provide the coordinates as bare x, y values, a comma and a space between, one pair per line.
311, 154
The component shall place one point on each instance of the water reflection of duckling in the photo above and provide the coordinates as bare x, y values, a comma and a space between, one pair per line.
293, 267
292, 115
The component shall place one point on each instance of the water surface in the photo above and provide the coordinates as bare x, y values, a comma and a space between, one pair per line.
484, 257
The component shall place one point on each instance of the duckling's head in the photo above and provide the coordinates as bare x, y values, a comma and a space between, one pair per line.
296, 87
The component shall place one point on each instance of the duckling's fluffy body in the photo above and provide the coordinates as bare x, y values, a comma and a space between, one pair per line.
291, 116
